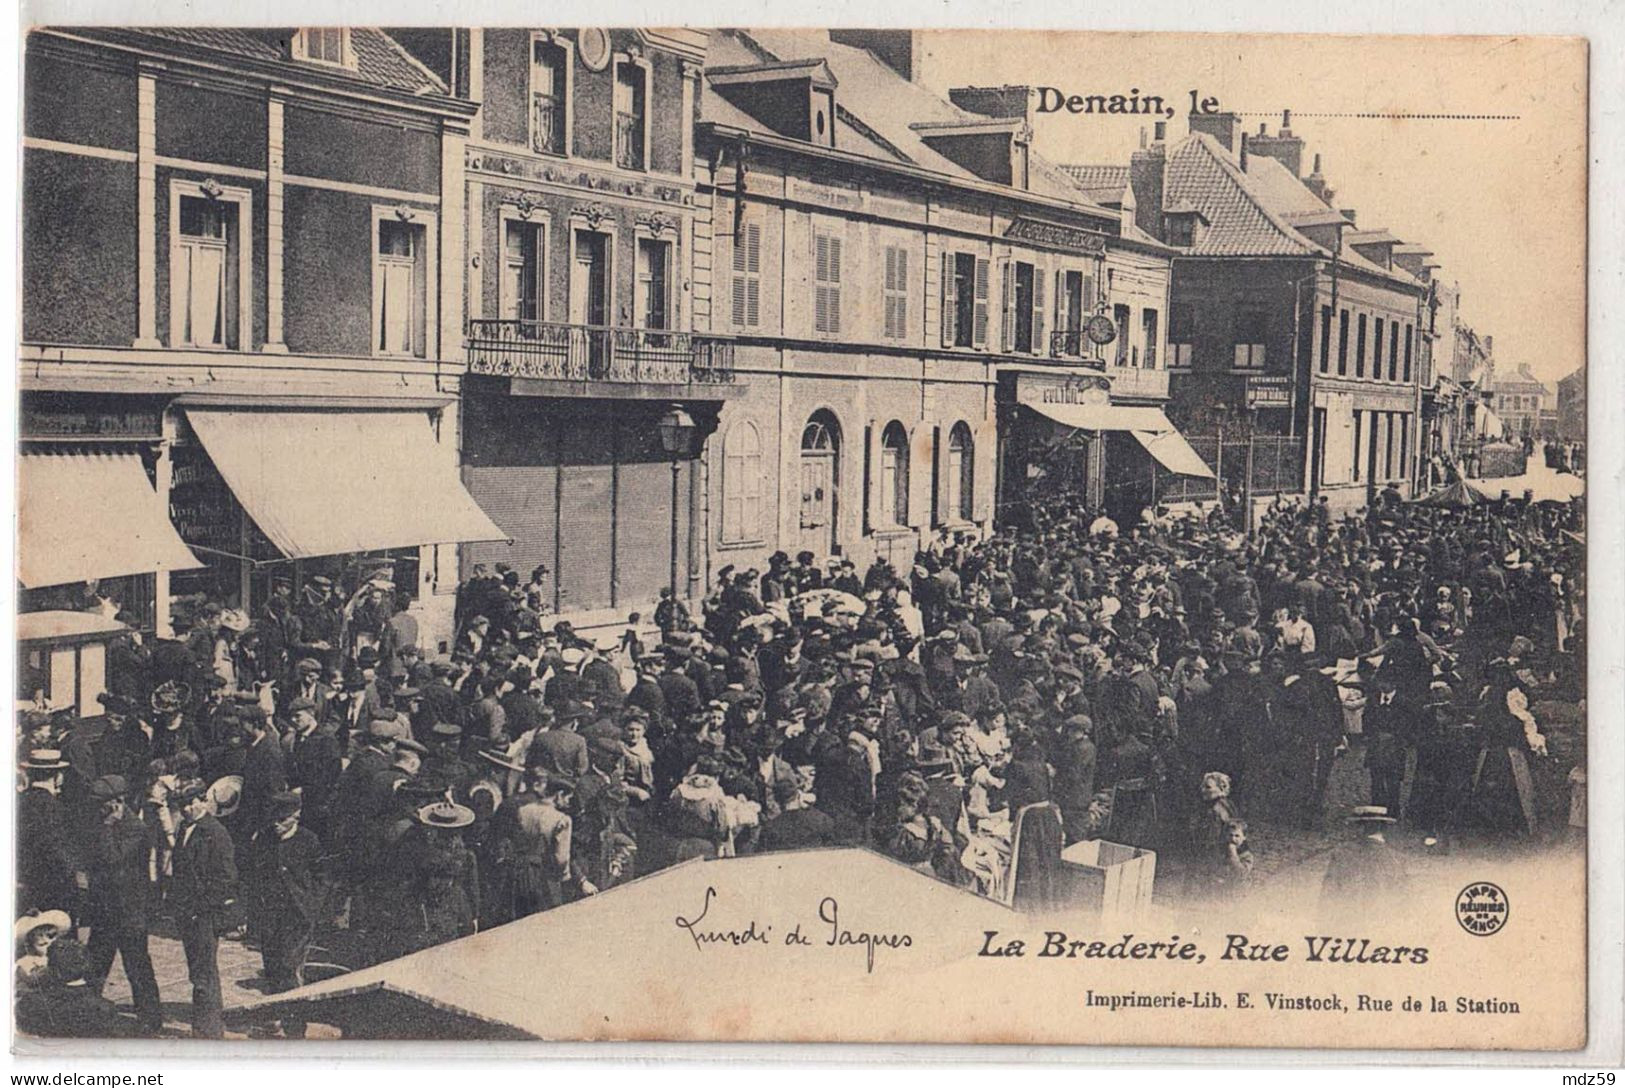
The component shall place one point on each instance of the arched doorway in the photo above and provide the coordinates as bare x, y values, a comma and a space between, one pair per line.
819, 472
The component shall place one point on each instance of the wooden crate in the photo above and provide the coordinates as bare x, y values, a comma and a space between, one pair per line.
1107, 878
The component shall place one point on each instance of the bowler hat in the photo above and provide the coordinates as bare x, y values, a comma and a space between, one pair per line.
109, 787
285, 804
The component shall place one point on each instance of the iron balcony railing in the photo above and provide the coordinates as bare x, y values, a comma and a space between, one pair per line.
629, 141
1073, 344
546, 124
540, 349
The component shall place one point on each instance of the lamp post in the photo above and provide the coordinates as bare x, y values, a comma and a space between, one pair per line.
677, 430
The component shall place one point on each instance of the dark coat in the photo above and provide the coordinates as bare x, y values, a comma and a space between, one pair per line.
205, 881
264, 776
69, 1012
120, 892
560, 751
797, 829
45, 863
284, 878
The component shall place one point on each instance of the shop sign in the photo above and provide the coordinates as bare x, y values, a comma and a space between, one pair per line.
1269, 391
1035, 389
138, 424
1058, 235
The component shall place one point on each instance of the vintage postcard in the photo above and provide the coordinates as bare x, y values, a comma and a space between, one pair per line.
801, 534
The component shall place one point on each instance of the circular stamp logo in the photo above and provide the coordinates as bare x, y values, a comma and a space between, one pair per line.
1482, 908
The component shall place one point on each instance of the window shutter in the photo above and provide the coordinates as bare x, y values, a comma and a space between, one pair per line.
980, 337
872, 485
944, 514
1061, 302
1039, 346
1007, 316
1088, 299
950, 301
983, 437
835, 288
918, 469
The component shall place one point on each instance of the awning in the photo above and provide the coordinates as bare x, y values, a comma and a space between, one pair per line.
1105, 417
1175, 454
1489, 424
91, 514
331, 483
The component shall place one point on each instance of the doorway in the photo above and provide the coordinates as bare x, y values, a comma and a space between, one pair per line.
819, 470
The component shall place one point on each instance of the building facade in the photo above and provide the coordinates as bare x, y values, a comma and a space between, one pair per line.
907, 283
234, 243
1571, 407
1526, 405
1290, 328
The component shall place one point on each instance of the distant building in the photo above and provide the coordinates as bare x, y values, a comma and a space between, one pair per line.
1571, 407
1520, 399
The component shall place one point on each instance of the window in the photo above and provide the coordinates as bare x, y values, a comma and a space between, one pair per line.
631, 132
523, 261
893, 475
747, 276
209, 266
1393, 352
1181, 334
964, 301
1343, 343
549, 96
826, 283
1376, 351
1354, 473
1120, 319
324, 45
1249, 339
1404, 446
1074, 301
895, 291
742, 483
1359, 350
1410, 337
1148, 331
399, 286
961, 474
654, 284
1325, 339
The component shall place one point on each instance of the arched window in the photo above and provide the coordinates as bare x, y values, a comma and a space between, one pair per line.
893, 475
742, 483
961, 473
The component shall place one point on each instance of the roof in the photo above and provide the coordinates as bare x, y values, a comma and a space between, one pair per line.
1104, 183
619, 966
878, 113
379, 59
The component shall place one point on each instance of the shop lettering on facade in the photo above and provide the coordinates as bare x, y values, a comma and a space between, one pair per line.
1056, 234
1041, 389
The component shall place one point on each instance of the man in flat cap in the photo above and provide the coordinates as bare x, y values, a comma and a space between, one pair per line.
286, 897
203, 894
118, 900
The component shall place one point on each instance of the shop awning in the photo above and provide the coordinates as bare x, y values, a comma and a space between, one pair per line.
334, 482
1105, 417
91, 514
1174, 453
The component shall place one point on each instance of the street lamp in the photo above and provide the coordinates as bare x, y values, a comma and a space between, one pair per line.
677, 429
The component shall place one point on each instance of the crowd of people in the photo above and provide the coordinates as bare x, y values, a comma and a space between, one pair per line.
308, 778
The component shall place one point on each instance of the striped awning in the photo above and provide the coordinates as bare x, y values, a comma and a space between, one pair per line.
91, 514
336, 482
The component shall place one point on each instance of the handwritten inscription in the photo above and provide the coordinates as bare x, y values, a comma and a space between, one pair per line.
832, 930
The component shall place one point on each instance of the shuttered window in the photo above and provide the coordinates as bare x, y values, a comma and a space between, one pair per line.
742, 483
747, 277
827, 283
895, 290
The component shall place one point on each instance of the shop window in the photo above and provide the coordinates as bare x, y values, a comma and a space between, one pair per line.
742, 483
893, 475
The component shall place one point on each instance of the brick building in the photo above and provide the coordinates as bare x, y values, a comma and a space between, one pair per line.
233, 246
1287, 319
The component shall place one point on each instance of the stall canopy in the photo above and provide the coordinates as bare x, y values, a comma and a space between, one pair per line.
91, 514
1149, 426
334, 482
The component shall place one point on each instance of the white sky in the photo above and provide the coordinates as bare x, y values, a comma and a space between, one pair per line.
1501, 203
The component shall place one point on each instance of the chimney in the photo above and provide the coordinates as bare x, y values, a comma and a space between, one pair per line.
1142, 137
1316, 182
1489, 345
1159, 131
900, 50
1351, 216
1002, 102
1285, 148
1220, 126
1243, 152
1145, 175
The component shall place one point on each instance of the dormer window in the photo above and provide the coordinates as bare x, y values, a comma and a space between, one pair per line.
794, 98
324, 45
1183, 225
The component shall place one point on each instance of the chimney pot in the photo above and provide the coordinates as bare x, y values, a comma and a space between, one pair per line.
1159, 130
1286, 122
1142, 137
1317, 163
1263, 129
1243, 152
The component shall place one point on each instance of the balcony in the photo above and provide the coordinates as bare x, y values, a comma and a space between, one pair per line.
629, 140
549, 352
546, 124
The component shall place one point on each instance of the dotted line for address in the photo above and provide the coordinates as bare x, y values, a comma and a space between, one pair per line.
1392, 116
